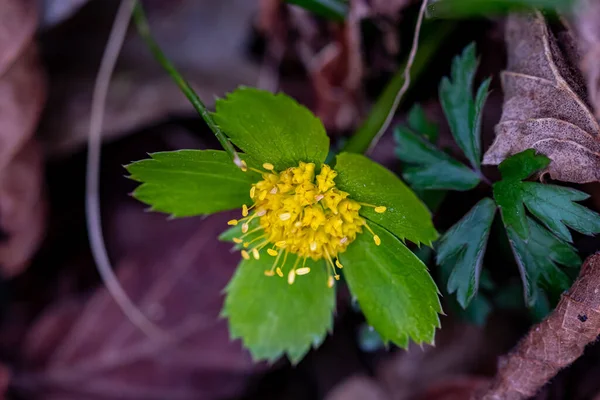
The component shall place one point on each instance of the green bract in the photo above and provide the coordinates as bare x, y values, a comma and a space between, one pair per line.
273, 315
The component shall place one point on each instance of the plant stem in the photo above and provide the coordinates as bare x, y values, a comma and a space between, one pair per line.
143, 28
367, 132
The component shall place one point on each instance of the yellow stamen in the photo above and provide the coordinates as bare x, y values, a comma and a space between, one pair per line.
302, 271
245, 227
281, 243
244, 166
245, 255
252, 192
232, 222
330, 281
269, 273
245, 210
377, 240
291, 277
272, 252
255, 254
268, 166
285, 216
246, 244
279, 272
338, 264
380, 209
237, 240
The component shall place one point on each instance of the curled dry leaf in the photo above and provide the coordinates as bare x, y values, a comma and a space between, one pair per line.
88, 349
587, 25
554, 343
22, 95
545, 104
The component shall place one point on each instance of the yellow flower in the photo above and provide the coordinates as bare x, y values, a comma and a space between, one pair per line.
303, 214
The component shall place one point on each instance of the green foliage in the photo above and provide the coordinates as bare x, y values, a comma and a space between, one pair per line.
419, 123
431, 169
274, 318
537, 258
463, 247
466, 8
331, 9
272, 128
368, 182
553, 205
462, 111
394, 289
190, 182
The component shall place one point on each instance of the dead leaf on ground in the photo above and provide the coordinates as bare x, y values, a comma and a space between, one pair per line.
545, 103
587, 25
88, 349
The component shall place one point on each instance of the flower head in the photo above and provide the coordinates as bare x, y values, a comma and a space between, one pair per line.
303, 213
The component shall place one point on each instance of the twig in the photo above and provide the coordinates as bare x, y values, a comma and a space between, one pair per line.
406, 84
111, 53
554, 343
144, 30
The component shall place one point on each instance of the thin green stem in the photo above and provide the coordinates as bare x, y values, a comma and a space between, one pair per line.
141, 22
367, 132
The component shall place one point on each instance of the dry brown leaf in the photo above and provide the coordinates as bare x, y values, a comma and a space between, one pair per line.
22, 209
89, 350
587, 25
545, 104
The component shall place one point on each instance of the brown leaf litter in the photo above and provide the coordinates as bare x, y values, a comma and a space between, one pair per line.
22, 96
587, 26
554, 343
545, 103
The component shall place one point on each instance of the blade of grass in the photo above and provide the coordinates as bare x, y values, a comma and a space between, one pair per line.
141, 23
385, 105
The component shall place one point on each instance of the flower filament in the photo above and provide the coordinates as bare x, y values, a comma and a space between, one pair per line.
302, 213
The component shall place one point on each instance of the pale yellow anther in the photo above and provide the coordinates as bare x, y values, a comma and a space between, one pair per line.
302, 271
232, 222
279, 272
319, 197
377, 240
237, 240
281, 243
269, 273
245, 210
285, 216
268, 166
330, 281
261, 213
252, 192
246, 244
245, 227
255, 254
291, 277
338, 264
272, 252
313, 246
344, 240
245, 255
337, 277
380, 209
274, 190
244, 166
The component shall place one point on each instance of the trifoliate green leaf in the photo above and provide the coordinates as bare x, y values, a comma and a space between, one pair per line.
463, 247
537, 258
394, 289
431, 169
335, 10
368, 182
553, 205
272, 128
462, 111
190, 182
274, 318
419, 123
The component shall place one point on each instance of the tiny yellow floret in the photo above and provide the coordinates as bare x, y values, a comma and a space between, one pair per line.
300, 211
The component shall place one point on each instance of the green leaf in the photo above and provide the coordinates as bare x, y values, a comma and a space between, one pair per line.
331, 9
394, 289
468, 8
368, 182
462, 111
418, 122
236, 232
553, 205
463, 247
272, 128
274, 318
537, 258
191, 182
434, 170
